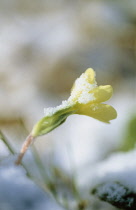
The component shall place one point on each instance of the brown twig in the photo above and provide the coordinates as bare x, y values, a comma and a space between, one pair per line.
24, 148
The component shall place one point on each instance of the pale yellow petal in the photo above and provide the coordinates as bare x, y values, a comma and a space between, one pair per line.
102, 93
82, 87
102, 112
90, 75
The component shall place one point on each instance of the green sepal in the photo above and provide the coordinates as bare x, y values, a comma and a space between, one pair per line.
49, 123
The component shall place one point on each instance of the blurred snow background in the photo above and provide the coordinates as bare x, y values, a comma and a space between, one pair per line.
44, 47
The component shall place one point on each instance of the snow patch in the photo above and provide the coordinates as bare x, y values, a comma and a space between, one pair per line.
119, 168
52, 110
81, 90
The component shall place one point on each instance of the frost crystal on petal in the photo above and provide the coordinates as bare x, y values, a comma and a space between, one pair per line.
94, 107
86, 98
81, 91
52, 110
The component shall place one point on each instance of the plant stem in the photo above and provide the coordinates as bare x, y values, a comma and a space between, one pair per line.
24, 148
39, 164
6, 142
10, 148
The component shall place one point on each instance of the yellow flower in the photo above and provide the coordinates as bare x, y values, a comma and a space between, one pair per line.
86, 99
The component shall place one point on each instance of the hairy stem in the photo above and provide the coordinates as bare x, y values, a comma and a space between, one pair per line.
24, 148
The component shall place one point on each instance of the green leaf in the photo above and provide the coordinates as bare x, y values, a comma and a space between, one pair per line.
129, 141
116, 194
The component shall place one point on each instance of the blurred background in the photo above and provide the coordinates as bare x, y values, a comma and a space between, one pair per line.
44, 47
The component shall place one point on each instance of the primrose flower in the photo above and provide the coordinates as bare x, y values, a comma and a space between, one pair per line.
86, 99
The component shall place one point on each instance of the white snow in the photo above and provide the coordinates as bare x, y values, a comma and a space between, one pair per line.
17, 192
115, 193
52, 110
113, 190
82, 89
118, 168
